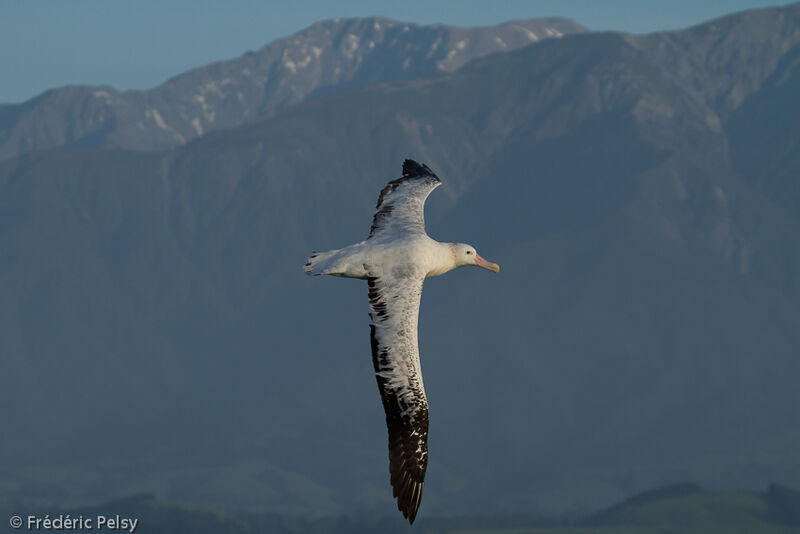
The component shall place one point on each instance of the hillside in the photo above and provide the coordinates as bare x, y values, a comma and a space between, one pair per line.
327, 57
680, 508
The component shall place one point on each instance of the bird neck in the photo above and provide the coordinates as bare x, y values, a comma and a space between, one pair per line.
444, 259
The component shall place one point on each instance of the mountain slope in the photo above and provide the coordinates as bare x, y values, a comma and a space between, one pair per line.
687, 507
326, 57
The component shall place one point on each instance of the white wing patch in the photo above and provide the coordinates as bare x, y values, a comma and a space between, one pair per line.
395, 355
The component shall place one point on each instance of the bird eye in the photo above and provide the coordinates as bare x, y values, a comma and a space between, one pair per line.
469, 252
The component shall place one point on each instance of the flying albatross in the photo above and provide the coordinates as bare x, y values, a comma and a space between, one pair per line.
395, 260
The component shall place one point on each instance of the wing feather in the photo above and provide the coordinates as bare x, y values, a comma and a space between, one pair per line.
395, 357
401, 204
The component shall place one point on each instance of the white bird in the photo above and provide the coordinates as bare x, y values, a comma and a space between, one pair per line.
395, 260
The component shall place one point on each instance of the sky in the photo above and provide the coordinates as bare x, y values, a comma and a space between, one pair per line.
140, 44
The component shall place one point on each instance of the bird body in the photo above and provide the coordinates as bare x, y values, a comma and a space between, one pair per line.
428, 255
395, 260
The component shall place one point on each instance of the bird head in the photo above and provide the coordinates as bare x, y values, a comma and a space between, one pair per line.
467, 255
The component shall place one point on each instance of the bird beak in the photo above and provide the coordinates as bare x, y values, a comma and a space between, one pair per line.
480, 262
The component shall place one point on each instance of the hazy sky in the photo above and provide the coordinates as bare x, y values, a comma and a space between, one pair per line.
135, 45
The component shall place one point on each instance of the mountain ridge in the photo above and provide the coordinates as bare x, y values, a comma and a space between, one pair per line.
325, 57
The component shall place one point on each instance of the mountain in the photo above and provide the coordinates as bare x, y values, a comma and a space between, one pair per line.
687, 507
329, 56
157, 332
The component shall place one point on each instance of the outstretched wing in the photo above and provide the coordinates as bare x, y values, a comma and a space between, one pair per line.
394, 300
401, 203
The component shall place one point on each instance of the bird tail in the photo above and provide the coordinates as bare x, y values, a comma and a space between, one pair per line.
319, 262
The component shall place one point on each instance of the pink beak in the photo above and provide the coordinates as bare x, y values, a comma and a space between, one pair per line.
480, 262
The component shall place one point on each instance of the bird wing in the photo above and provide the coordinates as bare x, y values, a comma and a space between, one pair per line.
401, 203
394, 299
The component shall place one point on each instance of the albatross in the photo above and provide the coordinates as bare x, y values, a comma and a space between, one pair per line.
395, 260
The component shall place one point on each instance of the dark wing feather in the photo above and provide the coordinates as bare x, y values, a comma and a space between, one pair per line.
395, 356
401, 203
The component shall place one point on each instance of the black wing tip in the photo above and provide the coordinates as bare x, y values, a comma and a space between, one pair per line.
407, 482
412, 169
409, 498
